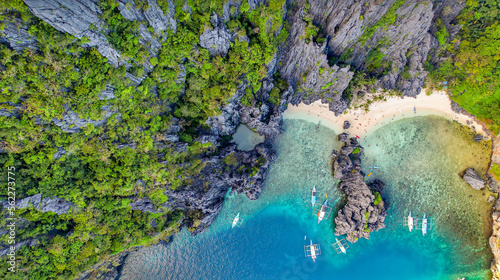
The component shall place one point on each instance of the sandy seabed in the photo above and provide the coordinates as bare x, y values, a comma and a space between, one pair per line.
382, 112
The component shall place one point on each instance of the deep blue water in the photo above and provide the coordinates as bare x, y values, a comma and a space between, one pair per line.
420, 167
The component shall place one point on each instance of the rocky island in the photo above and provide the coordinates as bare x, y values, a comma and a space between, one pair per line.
365, 210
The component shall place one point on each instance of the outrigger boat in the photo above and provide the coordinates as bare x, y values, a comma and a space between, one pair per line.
313, 196
424, 225
340, 246
312, 251
322, 211
410, 222
236, 220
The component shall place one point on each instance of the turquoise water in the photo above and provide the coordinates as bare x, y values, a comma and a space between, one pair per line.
420, 160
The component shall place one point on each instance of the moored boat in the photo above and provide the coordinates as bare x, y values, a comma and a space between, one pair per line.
313, 196
236, 220
424, 225
322, 211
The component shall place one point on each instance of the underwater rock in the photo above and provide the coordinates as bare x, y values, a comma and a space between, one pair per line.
365, 210
470, 176
477, 138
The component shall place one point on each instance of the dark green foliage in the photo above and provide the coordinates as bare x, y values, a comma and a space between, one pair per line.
442, 33
376, 64
472, 68
378, 198
94, 174
122, 33
356, 150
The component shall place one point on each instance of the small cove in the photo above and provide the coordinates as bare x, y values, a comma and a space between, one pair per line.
246, 139
419, 158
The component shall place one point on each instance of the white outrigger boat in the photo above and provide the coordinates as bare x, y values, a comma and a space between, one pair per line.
236, 221
312, 250
340, 246
410, 222
424, 225
313, 196
322, 211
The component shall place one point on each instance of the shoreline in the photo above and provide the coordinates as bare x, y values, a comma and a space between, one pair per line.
396, 108
383, 112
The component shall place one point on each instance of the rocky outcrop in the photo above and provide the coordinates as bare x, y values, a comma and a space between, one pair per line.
364, 210
244, 172
78, 18
82, 20
216, 40
472, 178
4, 250
304, 64
46, 204
108, 269
15, 34
389, 42
143, 204
262, 116
71, 123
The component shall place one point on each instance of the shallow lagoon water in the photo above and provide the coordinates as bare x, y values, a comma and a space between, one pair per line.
246, 139
420, 160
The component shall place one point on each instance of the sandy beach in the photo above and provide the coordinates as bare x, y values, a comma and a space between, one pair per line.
382, 112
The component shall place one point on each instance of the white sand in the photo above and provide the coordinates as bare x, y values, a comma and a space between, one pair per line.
382, 112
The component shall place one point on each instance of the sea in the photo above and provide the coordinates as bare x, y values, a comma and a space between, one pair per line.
420, 159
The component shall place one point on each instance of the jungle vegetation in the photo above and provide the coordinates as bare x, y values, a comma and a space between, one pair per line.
95, 173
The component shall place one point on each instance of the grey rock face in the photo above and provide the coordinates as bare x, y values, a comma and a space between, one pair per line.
143, 205
76, 17
216, 40
346, 125
28, 242
107, 94
16, 35
108, 269
405, 45
71, 123
207, 191
361, 215
470, 176
14, 112
60, 152
47, 204
305, 66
